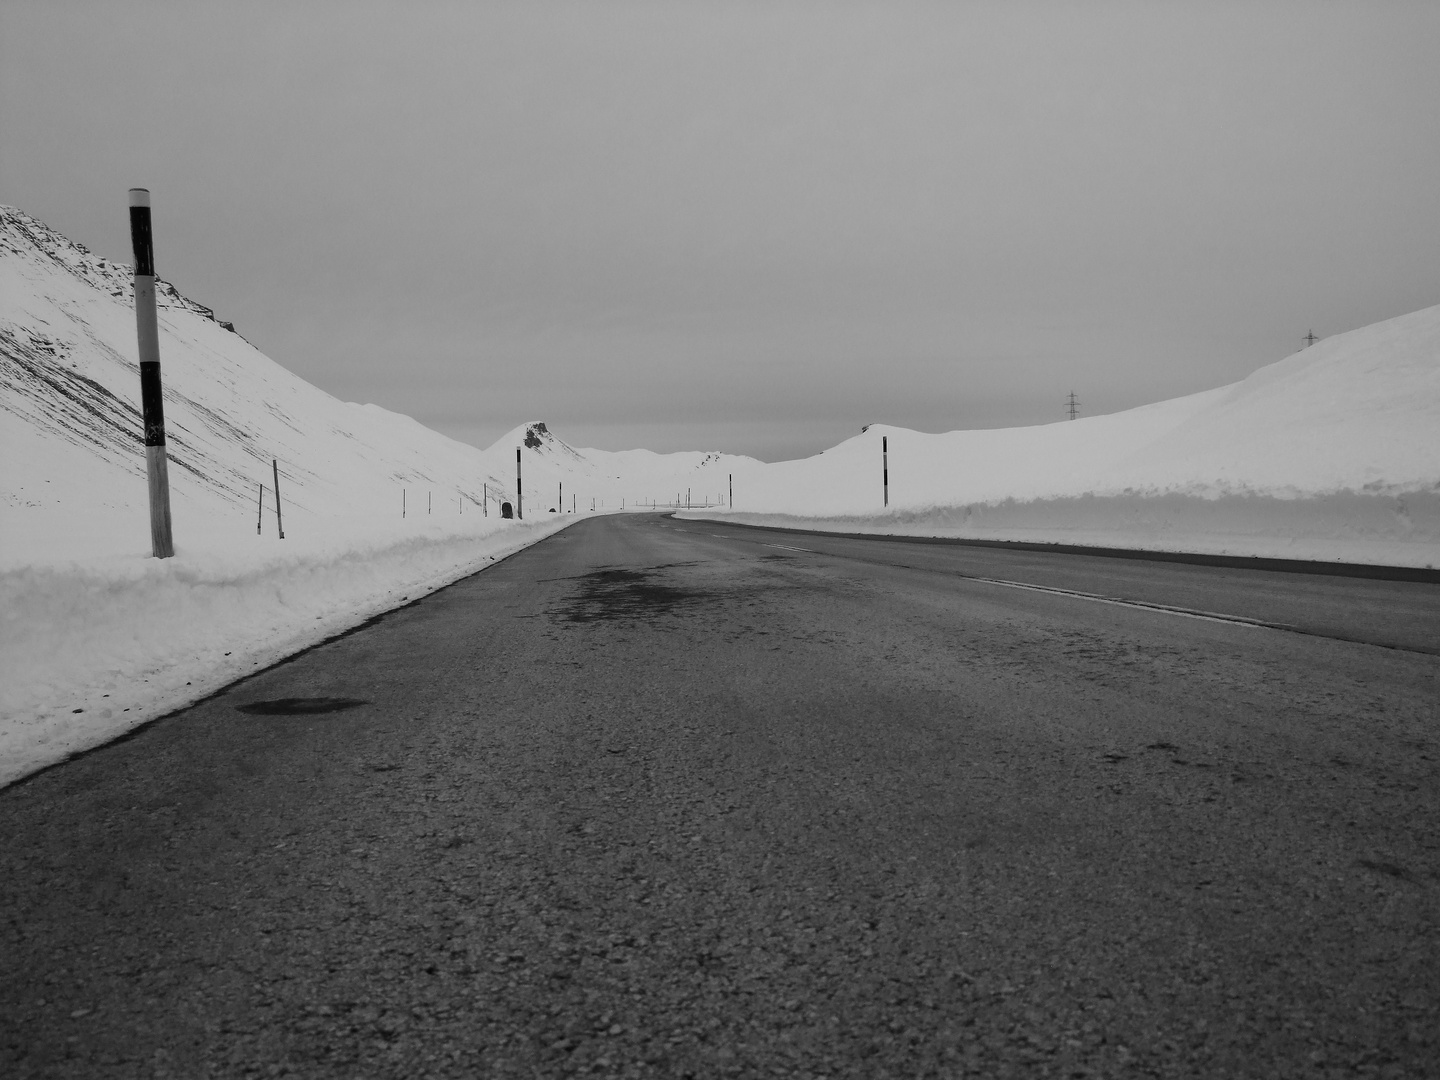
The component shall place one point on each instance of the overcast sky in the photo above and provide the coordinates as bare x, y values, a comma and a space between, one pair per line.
749, 227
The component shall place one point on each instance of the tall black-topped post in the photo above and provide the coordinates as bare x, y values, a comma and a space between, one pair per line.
162, 543
279, 522
519, 504
885, 465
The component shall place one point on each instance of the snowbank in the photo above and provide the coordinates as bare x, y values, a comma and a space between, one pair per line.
1330, 454
92, 649
1348, 527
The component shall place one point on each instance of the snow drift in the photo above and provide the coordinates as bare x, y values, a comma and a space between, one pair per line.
1330, 454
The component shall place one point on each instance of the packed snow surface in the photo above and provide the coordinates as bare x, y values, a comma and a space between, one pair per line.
1330, 454
96, 636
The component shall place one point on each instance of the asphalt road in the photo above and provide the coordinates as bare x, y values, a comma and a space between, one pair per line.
663, 798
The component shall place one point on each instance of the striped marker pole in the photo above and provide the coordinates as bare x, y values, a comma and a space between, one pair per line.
519, 506
162, 542
732, 491
885, 465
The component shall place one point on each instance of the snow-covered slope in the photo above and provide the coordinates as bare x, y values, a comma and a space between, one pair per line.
95, 636
1332, 453
69, 418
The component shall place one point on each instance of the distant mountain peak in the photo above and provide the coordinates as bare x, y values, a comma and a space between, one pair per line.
536, 436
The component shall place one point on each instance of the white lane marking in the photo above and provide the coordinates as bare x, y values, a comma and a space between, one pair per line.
1164, 609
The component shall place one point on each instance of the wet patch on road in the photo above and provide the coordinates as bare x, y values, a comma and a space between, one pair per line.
1389, 869
300, 706
623, 594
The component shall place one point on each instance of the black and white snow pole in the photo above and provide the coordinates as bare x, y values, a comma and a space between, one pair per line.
162, 543
519, 506
885, 466
732, 491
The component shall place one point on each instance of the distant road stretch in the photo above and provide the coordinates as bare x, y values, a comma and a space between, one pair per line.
671, 798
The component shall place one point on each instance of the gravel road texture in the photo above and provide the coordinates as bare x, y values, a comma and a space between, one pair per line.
669, 799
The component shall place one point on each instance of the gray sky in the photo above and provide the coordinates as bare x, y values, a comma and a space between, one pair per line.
750, 227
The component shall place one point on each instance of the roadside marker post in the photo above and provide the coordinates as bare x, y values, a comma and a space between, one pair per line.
260, 510
519, 503
885, 465
147, 332
279, 524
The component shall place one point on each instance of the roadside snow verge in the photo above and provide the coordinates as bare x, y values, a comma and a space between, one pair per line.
91, 650
1354, 527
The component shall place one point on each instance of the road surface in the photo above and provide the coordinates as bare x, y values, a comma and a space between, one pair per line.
667, 798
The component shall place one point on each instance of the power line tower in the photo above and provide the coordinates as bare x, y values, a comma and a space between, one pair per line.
1073, 404
1309, 338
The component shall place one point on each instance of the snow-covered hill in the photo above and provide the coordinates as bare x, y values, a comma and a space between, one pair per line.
1332, 453
96, 636
69, 417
